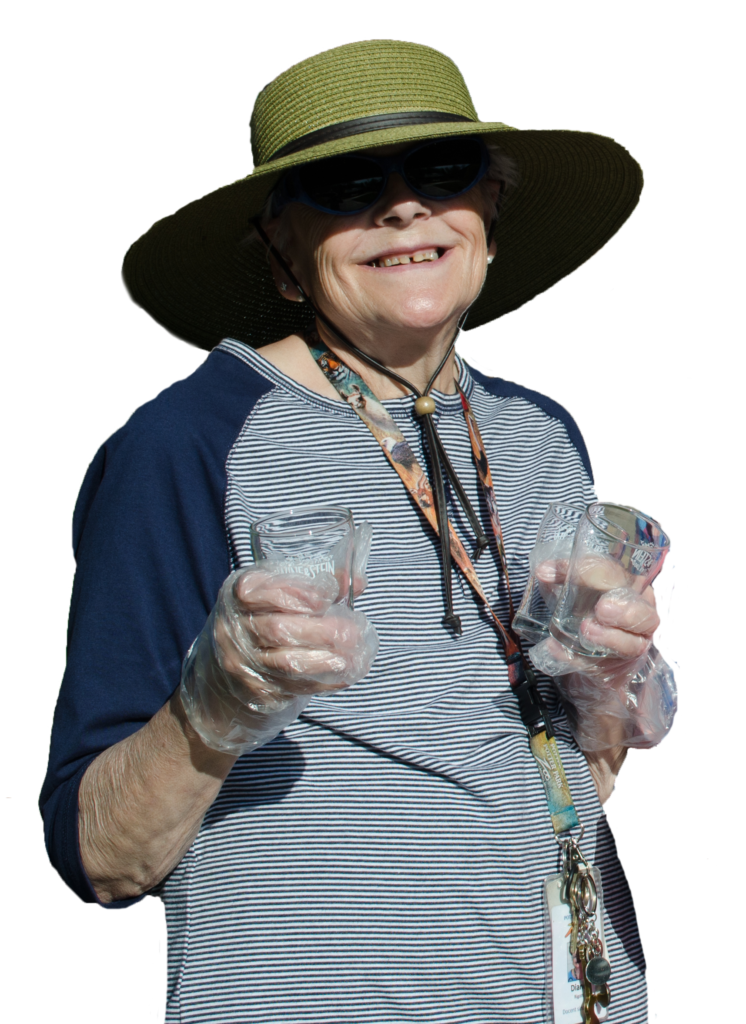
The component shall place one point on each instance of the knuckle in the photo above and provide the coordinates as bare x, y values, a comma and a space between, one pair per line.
272, 630
247, 582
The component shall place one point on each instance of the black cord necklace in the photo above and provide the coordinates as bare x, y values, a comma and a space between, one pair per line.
424, 406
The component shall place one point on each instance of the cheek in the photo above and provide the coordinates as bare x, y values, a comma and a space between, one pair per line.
329, 288
308, 245
326, 253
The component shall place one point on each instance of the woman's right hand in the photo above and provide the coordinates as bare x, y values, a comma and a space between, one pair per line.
279, 635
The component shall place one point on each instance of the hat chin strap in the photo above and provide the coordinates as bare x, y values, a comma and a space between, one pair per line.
424, 407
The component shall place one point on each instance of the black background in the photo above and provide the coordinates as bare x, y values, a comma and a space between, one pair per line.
175, 127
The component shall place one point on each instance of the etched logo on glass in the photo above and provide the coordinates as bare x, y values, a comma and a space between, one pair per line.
306, 568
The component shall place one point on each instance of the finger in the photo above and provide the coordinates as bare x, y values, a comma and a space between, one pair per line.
617, 642
598, 573
554, 649
627, 610
592, 571
553, 571
276, 673
304, 670
267, 591
553, 659
329, 631
255, 691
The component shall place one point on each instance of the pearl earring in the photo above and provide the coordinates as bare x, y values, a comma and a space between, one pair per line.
490, 259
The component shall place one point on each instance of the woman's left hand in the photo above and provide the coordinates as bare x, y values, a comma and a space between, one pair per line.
623, 623
626, 698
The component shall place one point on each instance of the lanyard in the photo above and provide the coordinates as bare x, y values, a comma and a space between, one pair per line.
353, 389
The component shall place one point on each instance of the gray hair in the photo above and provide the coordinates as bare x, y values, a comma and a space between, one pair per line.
502, 168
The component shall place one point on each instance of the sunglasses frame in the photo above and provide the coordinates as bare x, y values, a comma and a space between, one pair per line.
290, 189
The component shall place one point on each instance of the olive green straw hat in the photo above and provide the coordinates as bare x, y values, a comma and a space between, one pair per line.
197, 275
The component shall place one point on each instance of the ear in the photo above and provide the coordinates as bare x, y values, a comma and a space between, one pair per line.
494, 190
492, 207
284, 284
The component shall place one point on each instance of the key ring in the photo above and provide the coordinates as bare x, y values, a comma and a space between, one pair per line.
567, 837
570, 850
583, 892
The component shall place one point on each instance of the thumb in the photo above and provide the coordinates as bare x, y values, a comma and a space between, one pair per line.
553, 659
552, 571
599, 573
363, 541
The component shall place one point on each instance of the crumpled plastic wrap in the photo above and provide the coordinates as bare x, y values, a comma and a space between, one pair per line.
271, 642
611, 701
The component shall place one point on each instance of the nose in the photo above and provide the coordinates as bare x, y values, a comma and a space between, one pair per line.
400, 202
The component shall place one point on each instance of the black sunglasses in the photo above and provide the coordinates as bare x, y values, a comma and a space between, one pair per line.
345, 185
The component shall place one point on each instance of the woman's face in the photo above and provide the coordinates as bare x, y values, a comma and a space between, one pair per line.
406, 263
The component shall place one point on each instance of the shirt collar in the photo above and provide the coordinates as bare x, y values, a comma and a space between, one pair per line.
447, 404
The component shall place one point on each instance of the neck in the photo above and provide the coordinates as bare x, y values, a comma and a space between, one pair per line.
415, 363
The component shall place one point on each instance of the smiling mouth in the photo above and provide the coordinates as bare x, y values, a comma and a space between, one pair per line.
401, 259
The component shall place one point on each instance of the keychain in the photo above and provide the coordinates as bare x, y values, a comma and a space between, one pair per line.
579, 968
581, 893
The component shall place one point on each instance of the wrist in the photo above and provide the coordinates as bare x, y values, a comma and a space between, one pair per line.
604, 766
204, 758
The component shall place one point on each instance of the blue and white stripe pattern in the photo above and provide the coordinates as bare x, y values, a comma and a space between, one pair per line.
382, 860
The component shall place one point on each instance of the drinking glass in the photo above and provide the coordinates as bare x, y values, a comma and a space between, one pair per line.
615, 546
552, 549
308, 540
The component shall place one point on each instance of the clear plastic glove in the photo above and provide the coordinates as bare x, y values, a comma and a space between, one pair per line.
633, 706
626, 698
623, 623
271, 642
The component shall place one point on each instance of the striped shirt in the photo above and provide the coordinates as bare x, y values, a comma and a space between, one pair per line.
382, 860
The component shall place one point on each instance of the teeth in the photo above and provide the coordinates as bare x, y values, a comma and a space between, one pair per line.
427, 255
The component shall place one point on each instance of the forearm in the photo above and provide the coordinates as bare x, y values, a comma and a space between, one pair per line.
604, 766
606, 763
645, 715
608, 754
142, 801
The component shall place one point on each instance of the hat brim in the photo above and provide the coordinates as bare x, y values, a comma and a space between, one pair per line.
197, 275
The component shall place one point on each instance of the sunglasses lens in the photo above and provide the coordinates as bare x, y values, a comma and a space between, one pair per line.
349, 184
445, 168
342, 184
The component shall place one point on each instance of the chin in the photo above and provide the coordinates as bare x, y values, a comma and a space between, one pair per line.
422, 315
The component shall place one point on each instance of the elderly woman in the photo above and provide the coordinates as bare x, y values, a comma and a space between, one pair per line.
329, 852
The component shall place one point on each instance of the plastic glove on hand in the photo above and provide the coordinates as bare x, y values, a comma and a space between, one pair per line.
639, 712
271, 642
628, 696
624, 623
279, 635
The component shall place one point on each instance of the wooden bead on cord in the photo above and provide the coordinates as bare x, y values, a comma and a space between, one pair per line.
424, 405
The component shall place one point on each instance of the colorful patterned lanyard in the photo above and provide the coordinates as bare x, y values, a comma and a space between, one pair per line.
353, 389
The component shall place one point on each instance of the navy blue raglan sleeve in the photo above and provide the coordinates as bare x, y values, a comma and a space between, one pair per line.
151, 553
507, 389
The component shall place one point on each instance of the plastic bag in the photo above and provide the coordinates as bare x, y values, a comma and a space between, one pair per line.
614, 702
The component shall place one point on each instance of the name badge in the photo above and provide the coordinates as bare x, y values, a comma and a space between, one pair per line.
565, 990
